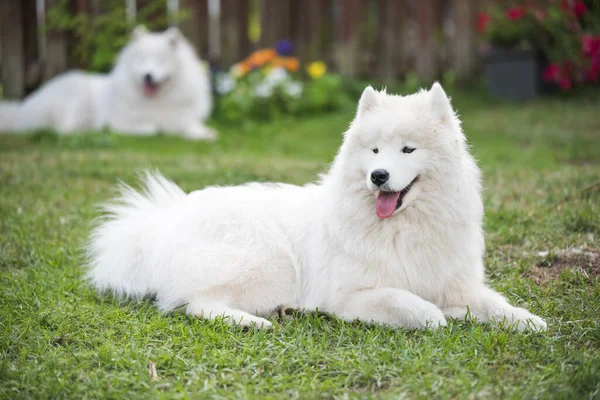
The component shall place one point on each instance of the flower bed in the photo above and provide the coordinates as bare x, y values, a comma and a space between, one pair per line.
272, 82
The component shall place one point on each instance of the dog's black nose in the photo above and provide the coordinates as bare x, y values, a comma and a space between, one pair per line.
149, 79
380, 176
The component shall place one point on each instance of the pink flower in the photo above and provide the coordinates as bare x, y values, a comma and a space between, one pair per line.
579, 8
576, 8
590, 45
483, 21
560, 74
551, 73
591, 75
516, 13
565, 83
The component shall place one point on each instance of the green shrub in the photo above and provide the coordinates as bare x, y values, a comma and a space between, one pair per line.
99, 37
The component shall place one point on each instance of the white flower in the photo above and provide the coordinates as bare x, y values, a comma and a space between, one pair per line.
224, 83
263, 90
276, 76
293, 89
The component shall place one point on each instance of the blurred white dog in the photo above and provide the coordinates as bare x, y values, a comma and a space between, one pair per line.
392, 234
157, 85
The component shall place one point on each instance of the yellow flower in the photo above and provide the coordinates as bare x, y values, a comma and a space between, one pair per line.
316, 69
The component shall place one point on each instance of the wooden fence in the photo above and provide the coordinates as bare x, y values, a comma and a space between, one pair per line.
382, 39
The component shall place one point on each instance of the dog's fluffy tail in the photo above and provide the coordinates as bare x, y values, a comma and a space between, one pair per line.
8, 115
115, 258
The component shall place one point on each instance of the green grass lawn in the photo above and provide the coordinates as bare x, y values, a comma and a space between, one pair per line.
60, 339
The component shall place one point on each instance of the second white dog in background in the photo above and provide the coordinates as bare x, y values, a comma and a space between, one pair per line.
158, 85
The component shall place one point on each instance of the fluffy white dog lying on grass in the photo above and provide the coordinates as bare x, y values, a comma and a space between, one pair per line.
157, 85
392, 234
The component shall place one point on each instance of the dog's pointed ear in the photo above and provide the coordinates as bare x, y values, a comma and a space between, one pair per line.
174, 35
139, 31
440, 103
369, 100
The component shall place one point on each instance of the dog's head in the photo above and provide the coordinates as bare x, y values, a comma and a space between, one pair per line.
153, 58
399, 144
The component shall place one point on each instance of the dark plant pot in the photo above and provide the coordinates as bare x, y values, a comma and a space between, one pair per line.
515, 74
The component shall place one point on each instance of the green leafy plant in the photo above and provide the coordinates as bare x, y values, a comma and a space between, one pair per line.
99, 37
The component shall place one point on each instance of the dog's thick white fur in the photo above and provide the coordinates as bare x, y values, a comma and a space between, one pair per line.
158, 84
339, 245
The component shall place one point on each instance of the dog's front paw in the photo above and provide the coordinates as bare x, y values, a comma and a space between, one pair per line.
529, 321
522, 320
201, 133
428, 316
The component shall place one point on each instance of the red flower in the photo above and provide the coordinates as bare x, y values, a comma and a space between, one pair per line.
575, 8
483, 21
560, 74
590, 45
565, 83
551, 73
579, 8
516, 13
591, 75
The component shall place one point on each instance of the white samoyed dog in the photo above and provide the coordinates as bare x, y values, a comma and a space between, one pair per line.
158, 84
392, 234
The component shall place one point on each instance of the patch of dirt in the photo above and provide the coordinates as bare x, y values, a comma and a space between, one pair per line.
575, 259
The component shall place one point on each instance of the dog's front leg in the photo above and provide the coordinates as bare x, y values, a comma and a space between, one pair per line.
134, 128
487, 305
389, 306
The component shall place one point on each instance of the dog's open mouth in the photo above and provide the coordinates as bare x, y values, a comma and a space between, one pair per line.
388, 202
150, 88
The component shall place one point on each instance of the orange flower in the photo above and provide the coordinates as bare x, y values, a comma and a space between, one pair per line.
277, 62
261, 57
291, 64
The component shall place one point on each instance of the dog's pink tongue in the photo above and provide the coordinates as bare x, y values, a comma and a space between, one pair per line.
150, 90
386, 204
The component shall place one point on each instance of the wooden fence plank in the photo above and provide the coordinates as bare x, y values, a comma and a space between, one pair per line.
11, 43
464, 49
57, 50
368, 34
79, 61
393, 20
33, 67
426, 53
275, 21
347, 38
235, 43
195, 28
312, 29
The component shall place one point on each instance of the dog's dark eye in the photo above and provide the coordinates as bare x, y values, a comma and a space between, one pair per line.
408, 150
375, 150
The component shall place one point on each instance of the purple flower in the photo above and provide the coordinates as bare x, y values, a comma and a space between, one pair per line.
284, 48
